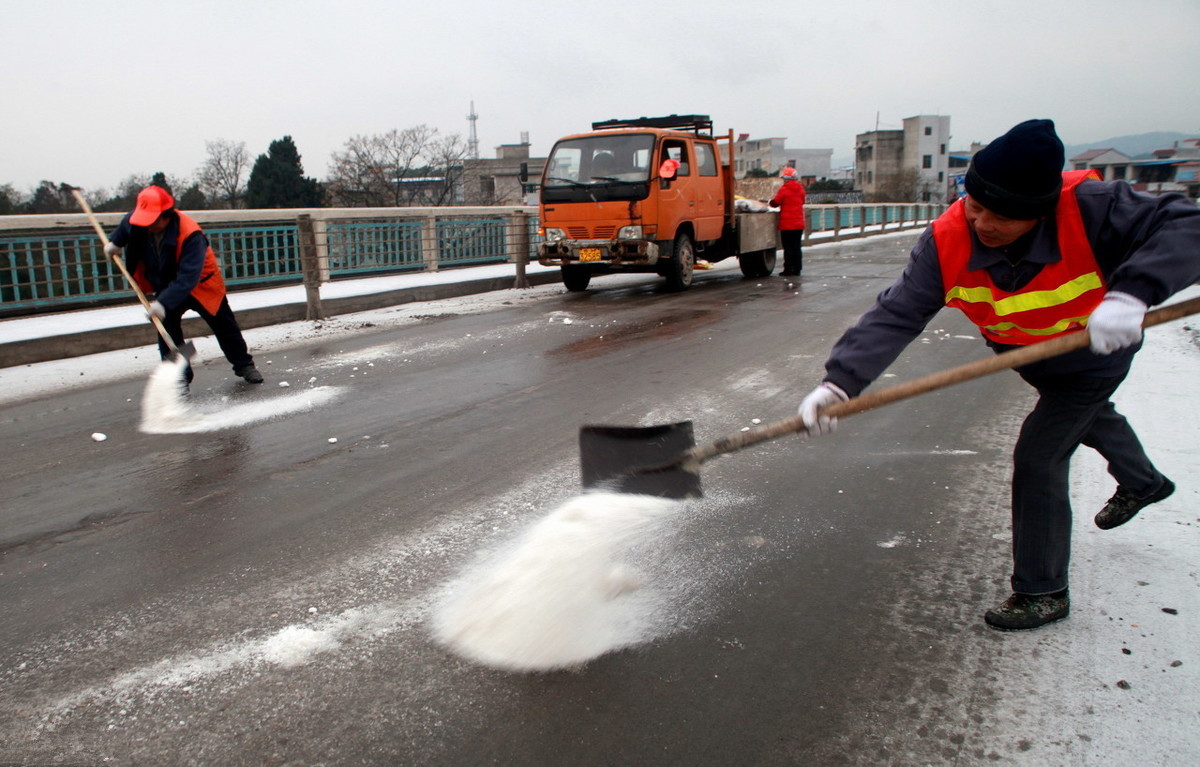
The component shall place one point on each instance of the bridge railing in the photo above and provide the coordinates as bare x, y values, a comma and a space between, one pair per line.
55, 262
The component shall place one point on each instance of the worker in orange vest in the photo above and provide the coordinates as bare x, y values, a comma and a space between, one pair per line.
170, 258
1029, 254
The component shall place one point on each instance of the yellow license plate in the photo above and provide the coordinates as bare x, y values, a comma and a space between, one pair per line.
589, 254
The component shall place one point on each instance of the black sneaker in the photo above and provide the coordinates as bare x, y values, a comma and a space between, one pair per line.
1124, 506
249, 372
1028, 611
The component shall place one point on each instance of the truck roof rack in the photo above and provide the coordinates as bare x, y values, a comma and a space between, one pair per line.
695, 123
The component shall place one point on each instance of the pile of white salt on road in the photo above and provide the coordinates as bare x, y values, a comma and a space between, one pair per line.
562, 593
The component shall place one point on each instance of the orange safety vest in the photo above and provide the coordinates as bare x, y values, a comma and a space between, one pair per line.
210, 289
1057, 301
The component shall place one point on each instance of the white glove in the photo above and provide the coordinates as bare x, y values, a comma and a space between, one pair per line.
156, 310
111, 250
817, 400
1116, 322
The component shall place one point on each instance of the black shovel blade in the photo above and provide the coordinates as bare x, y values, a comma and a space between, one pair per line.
646, 460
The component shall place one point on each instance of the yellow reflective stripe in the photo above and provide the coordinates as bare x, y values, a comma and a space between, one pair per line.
1024, 302
1058, 327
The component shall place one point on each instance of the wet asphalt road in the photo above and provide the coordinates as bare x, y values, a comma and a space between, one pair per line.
820, 605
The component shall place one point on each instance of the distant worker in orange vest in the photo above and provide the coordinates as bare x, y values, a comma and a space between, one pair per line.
170, 259
1029, 254
790, 201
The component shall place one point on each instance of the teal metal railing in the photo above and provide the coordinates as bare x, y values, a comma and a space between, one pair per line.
836, 218
375, 246
64, 268
59, 264
258, 255
470, 241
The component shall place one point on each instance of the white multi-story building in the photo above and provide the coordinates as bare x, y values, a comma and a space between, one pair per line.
907, 165
770, 155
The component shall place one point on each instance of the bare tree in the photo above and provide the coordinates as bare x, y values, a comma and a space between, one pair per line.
447, 153
222, 177
414, 166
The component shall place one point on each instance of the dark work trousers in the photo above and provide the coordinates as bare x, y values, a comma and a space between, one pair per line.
224, 326
792, 240
1072, 410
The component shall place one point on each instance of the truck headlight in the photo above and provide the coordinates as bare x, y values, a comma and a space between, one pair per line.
554, 235
630, 233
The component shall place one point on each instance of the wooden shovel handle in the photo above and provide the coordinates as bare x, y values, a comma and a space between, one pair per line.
158, 325
968, 372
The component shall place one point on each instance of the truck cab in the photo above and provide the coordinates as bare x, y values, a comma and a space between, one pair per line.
643, 195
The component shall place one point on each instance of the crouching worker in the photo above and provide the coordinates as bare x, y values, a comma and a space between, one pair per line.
169, 257
1032, 253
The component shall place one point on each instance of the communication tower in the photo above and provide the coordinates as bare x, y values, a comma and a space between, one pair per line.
473, 140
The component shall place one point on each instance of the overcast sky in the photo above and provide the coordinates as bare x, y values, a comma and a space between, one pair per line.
95, 91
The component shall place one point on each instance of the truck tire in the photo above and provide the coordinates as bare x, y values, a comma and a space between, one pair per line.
682, 264
576, 278
759, 263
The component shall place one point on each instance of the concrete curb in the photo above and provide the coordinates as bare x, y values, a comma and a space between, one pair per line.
110, 339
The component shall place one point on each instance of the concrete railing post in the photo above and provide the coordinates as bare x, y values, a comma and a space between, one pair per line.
321, 231
429, 243
310, 267
519, 225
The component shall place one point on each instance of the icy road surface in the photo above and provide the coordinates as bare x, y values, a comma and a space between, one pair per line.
262, 593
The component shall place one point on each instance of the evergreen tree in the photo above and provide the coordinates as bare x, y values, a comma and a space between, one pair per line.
192, 198
278, 181
52, 198
160, 179
10, 200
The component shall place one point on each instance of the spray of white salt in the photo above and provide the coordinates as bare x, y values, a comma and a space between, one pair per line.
166, 410
559, 595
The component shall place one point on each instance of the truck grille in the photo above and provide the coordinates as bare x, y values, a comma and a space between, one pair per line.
599, 233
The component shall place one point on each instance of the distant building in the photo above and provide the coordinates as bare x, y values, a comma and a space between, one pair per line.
960, 160
770, 156
1175, 169
907, 165
1109, 163
497, 181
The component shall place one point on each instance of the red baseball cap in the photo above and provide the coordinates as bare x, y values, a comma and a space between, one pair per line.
789, 172
152, 202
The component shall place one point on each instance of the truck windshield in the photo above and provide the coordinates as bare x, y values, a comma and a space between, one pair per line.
600, 167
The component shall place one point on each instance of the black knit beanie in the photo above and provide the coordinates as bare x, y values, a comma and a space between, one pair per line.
1019, 174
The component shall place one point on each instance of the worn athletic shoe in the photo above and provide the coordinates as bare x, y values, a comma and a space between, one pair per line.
249, 372
1124, 506
1028, 611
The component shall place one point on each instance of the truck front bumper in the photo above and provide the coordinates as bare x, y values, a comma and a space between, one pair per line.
611, 253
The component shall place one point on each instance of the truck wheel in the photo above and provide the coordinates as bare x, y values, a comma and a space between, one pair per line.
682, 264
576, 278
760, 263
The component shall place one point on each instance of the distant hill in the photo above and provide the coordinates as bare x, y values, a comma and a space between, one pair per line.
1137, 146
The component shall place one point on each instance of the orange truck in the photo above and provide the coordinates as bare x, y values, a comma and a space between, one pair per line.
652, 194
